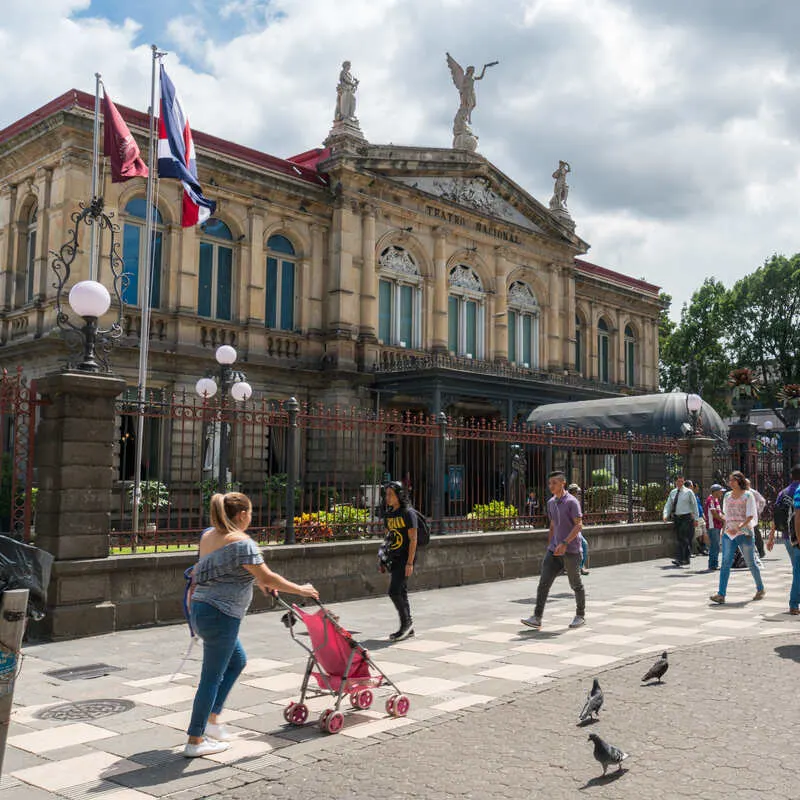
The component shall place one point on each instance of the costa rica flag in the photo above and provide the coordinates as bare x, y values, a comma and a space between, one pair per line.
176, 157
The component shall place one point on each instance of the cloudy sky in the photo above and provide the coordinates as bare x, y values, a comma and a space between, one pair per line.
681, 119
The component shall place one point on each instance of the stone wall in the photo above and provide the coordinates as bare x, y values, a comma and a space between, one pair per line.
94, 596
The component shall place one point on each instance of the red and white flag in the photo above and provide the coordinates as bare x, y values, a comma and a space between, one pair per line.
120, 146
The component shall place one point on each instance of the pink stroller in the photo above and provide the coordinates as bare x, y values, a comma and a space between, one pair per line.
340, 666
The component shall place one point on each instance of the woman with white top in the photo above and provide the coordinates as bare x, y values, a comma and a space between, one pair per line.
741, 516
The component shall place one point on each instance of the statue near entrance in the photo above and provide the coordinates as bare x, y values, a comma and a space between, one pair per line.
558, 202
463, 138
346, 95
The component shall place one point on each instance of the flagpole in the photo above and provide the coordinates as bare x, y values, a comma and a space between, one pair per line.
93, 249
144, 334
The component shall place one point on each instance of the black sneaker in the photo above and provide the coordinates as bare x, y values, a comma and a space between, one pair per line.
406, 632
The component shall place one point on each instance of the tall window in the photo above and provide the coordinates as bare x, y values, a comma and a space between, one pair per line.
603, 348
216, 270
523, 325
465, 313
399, 299
281, 278
30, 255
579, 346
630, 356
134, 252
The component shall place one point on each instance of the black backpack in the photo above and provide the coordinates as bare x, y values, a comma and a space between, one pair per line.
423, 530
783, 513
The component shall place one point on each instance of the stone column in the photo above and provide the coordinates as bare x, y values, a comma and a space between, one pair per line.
9, 211
75, 462
500, 311
592, 361
554, 361
369, 278
253, 300
440, 292
316, 312
700, 460
569, 320
44, 180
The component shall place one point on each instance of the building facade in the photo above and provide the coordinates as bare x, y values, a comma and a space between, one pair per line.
355, 274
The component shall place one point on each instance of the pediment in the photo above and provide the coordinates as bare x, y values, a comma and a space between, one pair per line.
474, 193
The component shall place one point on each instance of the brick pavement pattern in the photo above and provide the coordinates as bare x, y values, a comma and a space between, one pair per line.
478, 682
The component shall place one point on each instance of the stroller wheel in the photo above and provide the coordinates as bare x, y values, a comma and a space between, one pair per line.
364, 699
287, 712
299, 714
323, 719
334, 721
398, 705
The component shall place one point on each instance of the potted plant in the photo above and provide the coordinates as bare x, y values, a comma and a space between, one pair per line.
153, 495
789, 397
744, 392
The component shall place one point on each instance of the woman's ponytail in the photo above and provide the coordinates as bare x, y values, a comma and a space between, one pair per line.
225, 508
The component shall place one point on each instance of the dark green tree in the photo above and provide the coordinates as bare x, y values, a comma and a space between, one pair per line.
665, 329
762, 317
694, 356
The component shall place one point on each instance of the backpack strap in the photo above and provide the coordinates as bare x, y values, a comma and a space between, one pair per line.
187, 599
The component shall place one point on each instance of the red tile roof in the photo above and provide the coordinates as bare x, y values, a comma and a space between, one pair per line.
616, 277
75, 98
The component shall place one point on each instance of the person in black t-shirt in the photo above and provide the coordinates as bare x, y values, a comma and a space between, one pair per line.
398, 554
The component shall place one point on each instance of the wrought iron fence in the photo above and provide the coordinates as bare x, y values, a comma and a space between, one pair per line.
316, 473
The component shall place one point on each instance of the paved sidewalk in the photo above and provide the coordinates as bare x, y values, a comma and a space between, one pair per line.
470, 653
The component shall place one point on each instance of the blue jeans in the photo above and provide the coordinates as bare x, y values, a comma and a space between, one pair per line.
584, 551
223, 662
713, 548
745, 543
794, 557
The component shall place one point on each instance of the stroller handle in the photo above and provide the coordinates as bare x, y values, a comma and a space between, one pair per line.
276, 595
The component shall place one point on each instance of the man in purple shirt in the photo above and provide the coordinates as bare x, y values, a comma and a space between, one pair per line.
563, 551
792, 491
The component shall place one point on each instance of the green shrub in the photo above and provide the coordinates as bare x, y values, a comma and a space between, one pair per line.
275, 492
152, 495
598, 499
653, 496
602, 477
496, 515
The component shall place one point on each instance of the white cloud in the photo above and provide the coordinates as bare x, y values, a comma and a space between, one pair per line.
681, 128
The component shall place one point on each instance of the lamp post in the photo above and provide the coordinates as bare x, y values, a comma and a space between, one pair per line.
233, 382
694, 405
89, 300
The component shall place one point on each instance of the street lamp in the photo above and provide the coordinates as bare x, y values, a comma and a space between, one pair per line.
233, 382
694, 405
89, 300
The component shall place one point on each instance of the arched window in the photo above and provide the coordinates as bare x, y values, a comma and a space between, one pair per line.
630, 356
523, 325
134, 252
465, 313
215, 273
399, 299
30, 255
603, 348
281, 282
579, 347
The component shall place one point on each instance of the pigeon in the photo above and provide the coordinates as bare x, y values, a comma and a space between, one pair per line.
594, 702
658, 669
606, 753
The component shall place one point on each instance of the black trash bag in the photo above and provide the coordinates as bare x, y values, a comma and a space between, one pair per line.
23, 566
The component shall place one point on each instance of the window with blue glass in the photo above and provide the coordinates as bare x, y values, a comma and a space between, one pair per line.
215, 270
134, 247
579, 347
30, 255
630, 356
465, 313
399, 299
281, 280
603, 351
523, 326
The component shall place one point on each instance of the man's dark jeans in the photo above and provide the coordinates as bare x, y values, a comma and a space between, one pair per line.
551, 569
684, 533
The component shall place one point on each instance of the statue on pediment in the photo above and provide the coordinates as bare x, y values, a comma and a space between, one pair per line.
346, 95
463, 137
558, 202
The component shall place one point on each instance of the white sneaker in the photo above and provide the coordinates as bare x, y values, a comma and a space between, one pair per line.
577, 622
217, 732
532, 622
205, 748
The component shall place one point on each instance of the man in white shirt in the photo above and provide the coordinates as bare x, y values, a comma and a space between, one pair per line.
681, 509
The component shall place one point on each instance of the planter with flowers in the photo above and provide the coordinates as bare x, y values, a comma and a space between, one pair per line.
744, 392
789, 413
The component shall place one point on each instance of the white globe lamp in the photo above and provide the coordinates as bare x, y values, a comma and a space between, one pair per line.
226, 354
241, 391
206, 387
89, 299
694, 403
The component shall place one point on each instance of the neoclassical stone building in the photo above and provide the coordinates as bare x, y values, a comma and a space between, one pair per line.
423, 277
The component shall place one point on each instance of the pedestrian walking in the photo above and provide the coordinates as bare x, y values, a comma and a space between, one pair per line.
398, 554
681, 510
786, 521
741, 514
563, 551
577, 493
229, 563
712, 511
700, 523
761, 504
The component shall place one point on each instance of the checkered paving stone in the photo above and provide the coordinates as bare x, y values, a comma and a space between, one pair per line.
470, 650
